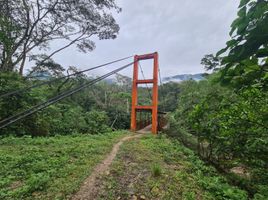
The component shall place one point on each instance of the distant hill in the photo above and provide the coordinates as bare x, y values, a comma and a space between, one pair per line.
113, 80
42, 76
176, 78
184, 77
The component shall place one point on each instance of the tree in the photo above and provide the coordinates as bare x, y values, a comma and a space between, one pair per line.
28, 25
226, 127
168, 96
211, 62
49, 67
246, 62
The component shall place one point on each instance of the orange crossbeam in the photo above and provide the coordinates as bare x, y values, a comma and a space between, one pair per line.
146, 56
145, 81
144, 107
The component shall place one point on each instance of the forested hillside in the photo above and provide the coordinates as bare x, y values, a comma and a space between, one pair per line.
94, 110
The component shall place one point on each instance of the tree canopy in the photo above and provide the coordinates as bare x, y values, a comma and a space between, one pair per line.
245, 62
28, 26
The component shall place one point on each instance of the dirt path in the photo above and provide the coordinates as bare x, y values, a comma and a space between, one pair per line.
89, 189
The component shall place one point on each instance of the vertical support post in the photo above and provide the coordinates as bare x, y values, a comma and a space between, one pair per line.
140, 120
134, 95
155, 95
147, 118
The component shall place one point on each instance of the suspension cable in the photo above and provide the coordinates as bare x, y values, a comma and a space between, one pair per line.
23, 114
60, 78
145, 83
161, 85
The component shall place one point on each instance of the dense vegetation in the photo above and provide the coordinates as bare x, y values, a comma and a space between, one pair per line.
227, 128
100, 108
225, 118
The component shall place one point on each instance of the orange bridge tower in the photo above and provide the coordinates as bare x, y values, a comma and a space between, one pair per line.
136, 81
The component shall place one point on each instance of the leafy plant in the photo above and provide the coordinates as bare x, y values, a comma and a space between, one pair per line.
246, 62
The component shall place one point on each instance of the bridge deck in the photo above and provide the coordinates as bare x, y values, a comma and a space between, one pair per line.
147, 129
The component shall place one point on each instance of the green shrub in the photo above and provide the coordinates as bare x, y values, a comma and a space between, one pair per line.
96, 122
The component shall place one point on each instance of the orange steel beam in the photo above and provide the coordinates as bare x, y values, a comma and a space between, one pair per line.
145, 81
146, 56
144, 107
154, 107
155, 95
133, 124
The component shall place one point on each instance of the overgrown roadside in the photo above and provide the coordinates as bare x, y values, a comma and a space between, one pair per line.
158, 168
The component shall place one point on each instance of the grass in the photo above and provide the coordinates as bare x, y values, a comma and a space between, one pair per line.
52, 167
159, 168
156, 170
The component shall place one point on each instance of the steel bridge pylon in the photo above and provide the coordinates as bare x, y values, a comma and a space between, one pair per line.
136, 81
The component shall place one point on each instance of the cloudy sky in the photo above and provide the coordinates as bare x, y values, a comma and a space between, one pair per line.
182, 31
